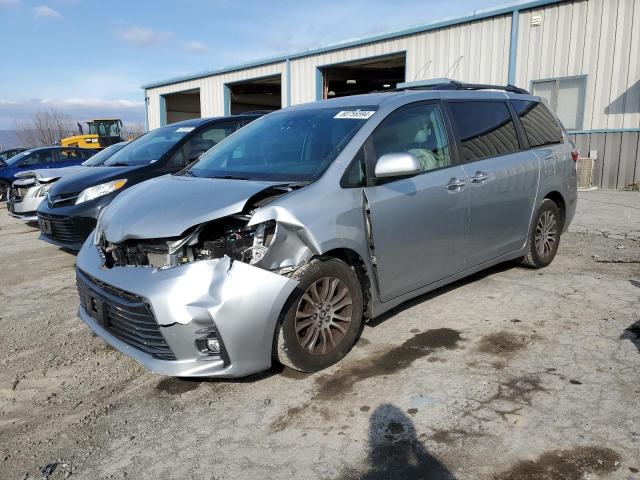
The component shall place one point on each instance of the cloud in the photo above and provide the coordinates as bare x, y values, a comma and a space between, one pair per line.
9, 3
79, 109
143, 36
195, 46
46, 12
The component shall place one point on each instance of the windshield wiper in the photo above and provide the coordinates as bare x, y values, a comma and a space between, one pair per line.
118, 164
231, 177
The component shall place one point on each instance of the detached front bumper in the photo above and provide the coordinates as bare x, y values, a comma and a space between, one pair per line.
156, 316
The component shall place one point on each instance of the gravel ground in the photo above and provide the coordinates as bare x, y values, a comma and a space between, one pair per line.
511, 374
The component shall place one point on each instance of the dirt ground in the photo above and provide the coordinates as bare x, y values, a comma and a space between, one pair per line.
511, 374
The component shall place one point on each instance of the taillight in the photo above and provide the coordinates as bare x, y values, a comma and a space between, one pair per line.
575, 154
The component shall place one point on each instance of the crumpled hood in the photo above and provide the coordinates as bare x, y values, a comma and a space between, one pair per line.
48, 174
167, 206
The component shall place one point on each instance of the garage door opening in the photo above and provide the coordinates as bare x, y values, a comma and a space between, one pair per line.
363, 76
258, 94
182, 106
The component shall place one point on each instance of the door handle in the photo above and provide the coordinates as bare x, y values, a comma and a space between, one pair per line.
479, 177
455, 184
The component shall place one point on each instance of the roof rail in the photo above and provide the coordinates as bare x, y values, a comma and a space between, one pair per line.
446, 84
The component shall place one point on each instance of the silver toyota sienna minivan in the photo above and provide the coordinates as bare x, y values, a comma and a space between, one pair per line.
279, 242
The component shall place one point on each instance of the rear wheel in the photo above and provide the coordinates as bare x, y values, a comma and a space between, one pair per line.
322, 317
4, 190
544, 237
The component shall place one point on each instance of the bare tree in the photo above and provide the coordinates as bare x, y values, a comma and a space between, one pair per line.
131, 131
44, 128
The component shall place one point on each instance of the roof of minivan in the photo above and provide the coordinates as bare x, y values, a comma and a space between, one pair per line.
380, 98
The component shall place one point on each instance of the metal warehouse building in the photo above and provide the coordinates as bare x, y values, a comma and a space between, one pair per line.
583, 56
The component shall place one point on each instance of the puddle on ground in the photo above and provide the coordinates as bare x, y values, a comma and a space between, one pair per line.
177, 386
330, 387
572, 464
502, 343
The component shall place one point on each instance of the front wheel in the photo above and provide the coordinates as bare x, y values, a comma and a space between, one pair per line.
322, 317
544, 237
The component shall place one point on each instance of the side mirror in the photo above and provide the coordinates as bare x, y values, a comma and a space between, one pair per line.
397, 165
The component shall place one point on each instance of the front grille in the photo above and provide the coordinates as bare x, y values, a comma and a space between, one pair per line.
125, 315
60, 228
63, 200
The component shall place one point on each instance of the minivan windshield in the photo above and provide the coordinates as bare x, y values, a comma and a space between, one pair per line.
290, 145
100, 157
149, 147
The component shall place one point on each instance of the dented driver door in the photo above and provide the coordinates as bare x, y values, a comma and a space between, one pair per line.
419, 225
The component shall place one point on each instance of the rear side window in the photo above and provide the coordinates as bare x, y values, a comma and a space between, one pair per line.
539, 125
486, 129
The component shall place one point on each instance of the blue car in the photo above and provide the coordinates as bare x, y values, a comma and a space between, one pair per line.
37, 158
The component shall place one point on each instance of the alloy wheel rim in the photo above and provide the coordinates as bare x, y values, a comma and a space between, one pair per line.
546, 234
323, 315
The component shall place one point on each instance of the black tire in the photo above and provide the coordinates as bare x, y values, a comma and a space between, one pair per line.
539, 254
4, 190
288, 344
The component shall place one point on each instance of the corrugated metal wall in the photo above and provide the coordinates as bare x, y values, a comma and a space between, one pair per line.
618, 157
483, 46
211, 90
597, 38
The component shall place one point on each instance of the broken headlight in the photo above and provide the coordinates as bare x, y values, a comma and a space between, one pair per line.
42, 190
235, 239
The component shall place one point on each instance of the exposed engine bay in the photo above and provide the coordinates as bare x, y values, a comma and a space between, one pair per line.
228, 236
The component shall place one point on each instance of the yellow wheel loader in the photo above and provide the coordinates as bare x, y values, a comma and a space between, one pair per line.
103, 132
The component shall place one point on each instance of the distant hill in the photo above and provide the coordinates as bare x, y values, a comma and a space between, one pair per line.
9, 139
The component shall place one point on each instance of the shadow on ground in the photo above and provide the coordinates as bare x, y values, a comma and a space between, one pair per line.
632, 333
395, 451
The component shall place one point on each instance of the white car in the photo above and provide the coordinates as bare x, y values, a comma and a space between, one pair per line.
30, 188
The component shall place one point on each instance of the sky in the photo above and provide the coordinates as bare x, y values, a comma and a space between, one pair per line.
90, 58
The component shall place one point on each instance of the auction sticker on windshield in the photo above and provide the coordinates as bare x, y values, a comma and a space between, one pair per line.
185, 129
355, 114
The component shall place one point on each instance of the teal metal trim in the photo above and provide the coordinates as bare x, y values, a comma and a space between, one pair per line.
604, 130
226, 93
319, 93
476, 15
163, 111
513, 46
288, 74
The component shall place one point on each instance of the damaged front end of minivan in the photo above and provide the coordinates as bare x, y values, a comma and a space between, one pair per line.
202, 303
